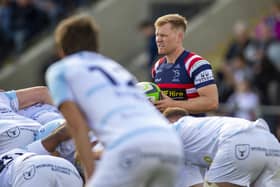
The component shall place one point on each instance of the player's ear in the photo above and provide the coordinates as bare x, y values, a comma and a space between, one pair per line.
181, 35
60, 52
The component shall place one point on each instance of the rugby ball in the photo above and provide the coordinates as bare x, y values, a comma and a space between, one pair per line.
151, 90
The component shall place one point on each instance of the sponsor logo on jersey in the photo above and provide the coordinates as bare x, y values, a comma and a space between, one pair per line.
208, 159
174, 94
158, 80
242, 151
191, 90
267, 152
204, 76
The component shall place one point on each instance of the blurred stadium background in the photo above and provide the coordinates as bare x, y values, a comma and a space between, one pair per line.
247, 66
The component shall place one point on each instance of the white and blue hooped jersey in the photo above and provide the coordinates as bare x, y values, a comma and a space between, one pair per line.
106, 94
8, 113
202, 135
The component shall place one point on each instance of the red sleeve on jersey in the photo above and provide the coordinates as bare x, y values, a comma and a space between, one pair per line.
190, 60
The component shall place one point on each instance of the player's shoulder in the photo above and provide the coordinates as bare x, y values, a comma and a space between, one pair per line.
158, 63
87, 57
192, 58
195, 62
63, 65
181, 122
56, 67
193, 54
54, 71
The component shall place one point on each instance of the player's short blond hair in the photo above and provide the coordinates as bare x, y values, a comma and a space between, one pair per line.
176, 20
173, 112
77, 33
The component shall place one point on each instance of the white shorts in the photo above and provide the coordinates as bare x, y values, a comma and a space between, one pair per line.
190, 175
17, 137
45, 171
151, 159
246, 158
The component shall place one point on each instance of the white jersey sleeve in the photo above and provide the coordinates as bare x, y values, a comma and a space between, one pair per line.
37, 147
9, 100
57, 83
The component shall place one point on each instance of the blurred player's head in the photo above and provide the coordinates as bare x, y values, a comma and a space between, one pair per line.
76, 33
174, 113
170, 31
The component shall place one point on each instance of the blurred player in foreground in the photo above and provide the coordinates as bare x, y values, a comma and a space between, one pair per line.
94, 92
236, 151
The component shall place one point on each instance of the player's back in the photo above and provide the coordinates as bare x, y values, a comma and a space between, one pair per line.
106, 93
130, 127
202, 135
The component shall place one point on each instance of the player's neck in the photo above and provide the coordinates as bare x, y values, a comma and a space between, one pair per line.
171, 58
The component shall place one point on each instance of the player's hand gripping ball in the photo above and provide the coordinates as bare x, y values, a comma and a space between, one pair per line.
151, 90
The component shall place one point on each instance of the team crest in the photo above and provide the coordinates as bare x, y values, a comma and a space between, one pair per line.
13, 132
242, 151
29, 173
176, 75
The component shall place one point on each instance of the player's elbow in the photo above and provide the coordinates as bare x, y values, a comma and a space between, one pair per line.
77, 129
43, 94
213, 104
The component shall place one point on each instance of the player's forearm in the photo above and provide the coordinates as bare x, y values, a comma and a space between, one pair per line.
53, 140
198, 105
33, 95
50, 144
79, 131
83, 147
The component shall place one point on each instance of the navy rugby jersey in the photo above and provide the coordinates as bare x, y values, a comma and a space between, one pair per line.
181, 80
